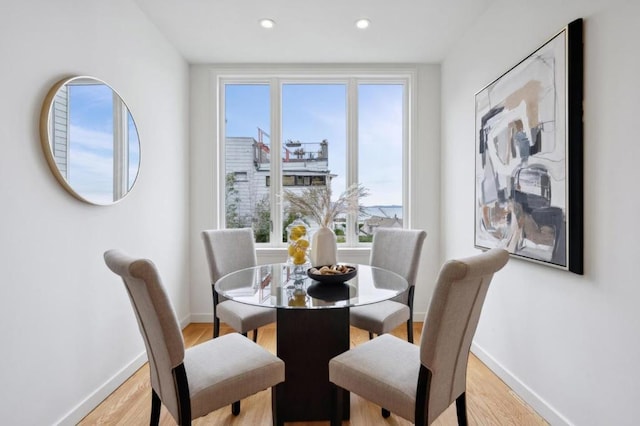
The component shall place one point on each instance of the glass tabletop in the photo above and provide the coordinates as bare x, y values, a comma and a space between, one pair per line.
280, 285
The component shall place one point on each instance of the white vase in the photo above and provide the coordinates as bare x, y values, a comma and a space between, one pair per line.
324, 250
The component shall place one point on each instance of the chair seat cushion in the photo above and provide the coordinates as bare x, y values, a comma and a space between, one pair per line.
380, 317
228, 369
242, 317
383, 370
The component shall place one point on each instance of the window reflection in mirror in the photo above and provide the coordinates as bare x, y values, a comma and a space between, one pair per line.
91, 140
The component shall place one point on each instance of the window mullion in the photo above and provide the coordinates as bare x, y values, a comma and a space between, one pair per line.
221, 160
276, 161
407, 137
120, 149
352, 155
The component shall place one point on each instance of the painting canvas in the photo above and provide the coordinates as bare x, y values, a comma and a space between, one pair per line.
528, 180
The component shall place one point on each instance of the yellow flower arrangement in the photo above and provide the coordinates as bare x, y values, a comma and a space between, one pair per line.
298, 244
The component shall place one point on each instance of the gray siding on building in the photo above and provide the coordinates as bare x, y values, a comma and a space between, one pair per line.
248, 161
239, 159
60, 130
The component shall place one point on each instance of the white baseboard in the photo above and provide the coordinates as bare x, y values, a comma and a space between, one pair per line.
78, 412
208, 317
92, 401
523, 391
534, 400
184, 322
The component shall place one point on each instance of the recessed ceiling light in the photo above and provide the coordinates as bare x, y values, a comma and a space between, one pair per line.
362, 23
267, 23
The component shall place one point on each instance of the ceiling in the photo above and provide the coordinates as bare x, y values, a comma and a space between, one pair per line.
227, 31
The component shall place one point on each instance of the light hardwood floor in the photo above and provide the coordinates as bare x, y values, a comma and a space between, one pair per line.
489, 400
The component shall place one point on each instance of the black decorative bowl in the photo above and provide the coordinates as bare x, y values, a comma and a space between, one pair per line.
332, 278
331, 293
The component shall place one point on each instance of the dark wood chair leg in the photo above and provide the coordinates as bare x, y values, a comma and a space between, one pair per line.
255, 335
275, 418
337, 396
235, 408
386, 413
184, 401
216, 320
156, 404
370, 335
410, 321
422, 396
461, 409
216, 327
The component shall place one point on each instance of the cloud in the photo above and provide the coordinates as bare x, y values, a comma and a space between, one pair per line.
91, 163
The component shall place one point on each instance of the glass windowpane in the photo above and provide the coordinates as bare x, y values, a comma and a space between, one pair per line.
380, 146
247, 158
314, 131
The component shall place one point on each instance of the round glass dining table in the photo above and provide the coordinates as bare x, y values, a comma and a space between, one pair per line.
279, 286
312, 326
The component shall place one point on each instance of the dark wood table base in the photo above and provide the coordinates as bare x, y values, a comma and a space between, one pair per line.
306, 340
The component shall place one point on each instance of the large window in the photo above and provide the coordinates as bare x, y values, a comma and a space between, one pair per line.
298, 133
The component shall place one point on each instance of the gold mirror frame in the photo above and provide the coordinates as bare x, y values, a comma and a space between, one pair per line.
77, 142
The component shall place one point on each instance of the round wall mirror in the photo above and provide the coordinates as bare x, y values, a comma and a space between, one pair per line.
90, 140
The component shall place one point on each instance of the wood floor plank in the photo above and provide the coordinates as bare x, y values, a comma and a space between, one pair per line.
489, 401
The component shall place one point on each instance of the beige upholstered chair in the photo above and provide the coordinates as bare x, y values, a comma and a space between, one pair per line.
229, 250
397, 250
193, 382
419, 383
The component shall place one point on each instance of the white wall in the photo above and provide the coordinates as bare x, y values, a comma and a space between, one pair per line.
424, 163
68, 332
568, 344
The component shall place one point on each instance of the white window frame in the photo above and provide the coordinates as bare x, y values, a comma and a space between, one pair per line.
276, 77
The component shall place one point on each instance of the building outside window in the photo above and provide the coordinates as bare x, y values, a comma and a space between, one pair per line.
331, 131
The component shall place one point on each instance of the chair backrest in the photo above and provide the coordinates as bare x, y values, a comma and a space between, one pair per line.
157, 322
398, 250
229, 250
451, 323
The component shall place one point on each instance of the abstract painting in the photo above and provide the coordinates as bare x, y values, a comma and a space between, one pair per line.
528, 179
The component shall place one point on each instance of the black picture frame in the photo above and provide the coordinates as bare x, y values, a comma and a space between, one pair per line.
529, 156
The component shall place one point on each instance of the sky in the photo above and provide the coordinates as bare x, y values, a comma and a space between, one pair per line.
313, 112
91, 142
